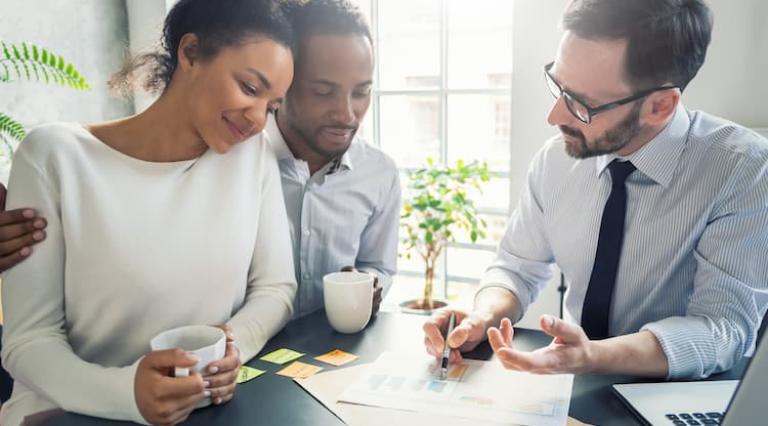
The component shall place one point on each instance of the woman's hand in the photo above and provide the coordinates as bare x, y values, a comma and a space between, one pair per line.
222, 374
166, 400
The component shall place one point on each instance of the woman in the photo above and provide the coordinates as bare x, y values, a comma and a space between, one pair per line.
171, 217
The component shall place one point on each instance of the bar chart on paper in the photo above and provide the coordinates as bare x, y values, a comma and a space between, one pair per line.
481, 390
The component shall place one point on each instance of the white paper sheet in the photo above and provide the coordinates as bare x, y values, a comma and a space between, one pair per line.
485, 391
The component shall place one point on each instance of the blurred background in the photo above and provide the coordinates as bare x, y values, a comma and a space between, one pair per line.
455, 79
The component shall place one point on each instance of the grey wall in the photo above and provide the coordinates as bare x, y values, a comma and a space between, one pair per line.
91, 34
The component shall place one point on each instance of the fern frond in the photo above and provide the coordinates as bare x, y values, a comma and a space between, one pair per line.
11, 128
30, 62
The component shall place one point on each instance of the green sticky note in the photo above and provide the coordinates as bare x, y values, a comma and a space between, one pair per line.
247, 373
281, 356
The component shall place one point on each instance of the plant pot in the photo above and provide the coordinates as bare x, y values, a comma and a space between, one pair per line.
414, 306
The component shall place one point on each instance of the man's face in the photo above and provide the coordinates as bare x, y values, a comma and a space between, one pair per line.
331, 92
595, 72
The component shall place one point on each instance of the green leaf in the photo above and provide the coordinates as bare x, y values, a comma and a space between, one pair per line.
11, 127
6, 52
473, 236
37, 64
428, 237
5, 73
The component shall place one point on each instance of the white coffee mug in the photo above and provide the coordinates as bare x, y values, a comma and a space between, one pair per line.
205, 342
348, 300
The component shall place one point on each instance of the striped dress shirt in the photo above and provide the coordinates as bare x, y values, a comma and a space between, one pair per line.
346, 214
694, 264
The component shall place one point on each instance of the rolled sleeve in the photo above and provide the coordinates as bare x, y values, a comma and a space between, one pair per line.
378, 242
730, 293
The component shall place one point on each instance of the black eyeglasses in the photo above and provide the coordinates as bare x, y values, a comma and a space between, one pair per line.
579, 108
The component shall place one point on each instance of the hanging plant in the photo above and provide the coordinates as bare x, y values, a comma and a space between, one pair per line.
30, 62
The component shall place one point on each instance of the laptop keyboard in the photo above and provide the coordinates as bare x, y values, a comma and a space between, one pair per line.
695, 419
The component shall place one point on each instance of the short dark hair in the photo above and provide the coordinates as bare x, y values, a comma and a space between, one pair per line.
667, 40
326, 17
216, 24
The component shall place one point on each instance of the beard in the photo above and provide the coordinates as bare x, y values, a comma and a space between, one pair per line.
311, 135
612, 140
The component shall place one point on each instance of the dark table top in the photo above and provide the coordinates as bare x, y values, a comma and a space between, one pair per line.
277, 400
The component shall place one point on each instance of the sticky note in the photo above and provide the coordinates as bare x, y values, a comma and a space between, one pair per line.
457, 372
281, 356
247, 373
299, 370
337, 357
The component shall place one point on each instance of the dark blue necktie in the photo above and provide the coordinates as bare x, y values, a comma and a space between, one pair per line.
597, 303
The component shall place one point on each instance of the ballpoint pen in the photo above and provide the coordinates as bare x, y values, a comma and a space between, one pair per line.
446, 348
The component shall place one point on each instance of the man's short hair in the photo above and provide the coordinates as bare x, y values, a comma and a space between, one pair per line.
667, 40
326, 17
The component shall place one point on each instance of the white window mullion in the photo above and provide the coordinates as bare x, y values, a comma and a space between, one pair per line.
444, 114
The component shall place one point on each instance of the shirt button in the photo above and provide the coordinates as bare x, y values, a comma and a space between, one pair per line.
306, 276
306, 232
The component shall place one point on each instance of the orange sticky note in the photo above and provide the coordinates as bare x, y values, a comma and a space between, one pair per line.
299, 370
336, 357
457, 372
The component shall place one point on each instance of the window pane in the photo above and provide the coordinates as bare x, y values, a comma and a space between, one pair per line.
468, 263
366, 128
479, 43
365, 8
494, 195
407, 287
479, 129
494, 231
410, 128
409, 44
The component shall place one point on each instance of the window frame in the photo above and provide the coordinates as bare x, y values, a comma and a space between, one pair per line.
443, 92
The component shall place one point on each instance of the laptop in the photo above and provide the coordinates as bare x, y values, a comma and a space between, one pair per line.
726, 402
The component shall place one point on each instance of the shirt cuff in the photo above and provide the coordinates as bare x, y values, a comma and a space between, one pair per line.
497, 278
687, 344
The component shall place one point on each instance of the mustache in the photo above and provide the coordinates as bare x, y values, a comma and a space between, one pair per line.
571, 132
340, 127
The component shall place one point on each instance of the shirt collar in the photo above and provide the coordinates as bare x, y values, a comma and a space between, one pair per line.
284, 153
658, 158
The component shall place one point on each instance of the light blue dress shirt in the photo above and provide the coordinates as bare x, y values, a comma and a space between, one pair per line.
346, 214
694, 264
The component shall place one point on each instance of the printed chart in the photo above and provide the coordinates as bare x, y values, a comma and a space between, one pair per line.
481, 390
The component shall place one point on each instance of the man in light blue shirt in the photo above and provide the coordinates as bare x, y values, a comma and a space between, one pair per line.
342, 194
656, 215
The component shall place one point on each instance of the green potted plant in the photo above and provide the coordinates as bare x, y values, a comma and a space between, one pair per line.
437, 205
27, 61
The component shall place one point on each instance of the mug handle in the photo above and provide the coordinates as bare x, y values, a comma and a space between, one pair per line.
180, 372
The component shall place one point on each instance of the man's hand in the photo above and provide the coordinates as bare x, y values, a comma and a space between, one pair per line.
571, 351
377, 290
467, 334
222, 374
162, 399
20, 229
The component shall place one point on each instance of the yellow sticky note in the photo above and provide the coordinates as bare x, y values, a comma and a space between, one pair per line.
247, 373
299, 370
337, 357
281, 356
457, 372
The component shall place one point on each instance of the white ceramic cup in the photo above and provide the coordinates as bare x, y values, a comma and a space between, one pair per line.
205, 342
348, 300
